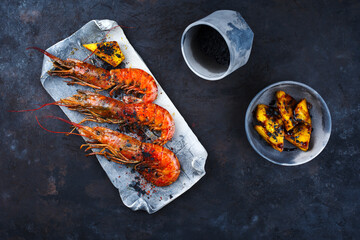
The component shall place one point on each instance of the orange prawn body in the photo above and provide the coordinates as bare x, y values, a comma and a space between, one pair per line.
100, 108
157, 164
138, 85
134, 80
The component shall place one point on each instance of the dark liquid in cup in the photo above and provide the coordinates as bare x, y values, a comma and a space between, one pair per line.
212, 44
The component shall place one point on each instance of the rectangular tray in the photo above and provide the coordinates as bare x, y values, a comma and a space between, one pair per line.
134, 191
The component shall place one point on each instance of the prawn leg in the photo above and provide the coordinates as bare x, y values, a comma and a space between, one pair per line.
112, 154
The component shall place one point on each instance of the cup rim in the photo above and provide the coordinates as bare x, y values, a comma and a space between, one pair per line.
197, 23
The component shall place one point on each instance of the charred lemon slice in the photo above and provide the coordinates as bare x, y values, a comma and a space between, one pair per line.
108, 51
285, 103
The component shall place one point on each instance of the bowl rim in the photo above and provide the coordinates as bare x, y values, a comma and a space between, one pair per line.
247, 130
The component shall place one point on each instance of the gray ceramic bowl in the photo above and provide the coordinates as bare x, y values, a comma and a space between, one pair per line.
321, 123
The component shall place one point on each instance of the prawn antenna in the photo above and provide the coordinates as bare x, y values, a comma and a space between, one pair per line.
35, 109
61, 119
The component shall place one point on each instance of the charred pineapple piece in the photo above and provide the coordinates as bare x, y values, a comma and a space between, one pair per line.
264, 113
300, 136
271, 128
302, 112
268, 117
285, 103
108, 51
275, 139
261, 115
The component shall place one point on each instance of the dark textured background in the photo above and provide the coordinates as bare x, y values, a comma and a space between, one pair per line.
50, 190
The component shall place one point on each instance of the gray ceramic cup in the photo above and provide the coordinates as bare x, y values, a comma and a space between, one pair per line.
237, 35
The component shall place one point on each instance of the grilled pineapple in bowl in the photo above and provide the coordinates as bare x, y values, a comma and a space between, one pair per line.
304, 131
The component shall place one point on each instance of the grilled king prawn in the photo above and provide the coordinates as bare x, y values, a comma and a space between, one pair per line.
157, 164
138, 85
102, 109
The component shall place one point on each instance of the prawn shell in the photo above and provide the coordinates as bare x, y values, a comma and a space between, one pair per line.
136, 80
155, 116
129, 147
90, 74
160, 166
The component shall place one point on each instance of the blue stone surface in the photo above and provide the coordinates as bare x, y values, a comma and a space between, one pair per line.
50, 190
